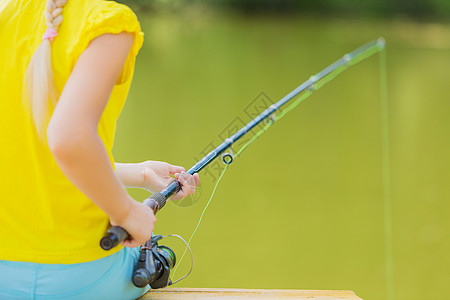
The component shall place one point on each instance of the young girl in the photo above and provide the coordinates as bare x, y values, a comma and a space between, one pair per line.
65, 71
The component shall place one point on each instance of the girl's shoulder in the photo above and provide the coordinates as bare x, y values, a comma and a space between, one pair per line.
103, 11
84, 20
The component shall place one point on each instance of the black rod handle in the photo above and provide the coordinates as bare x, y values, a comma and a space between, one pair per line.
116, 234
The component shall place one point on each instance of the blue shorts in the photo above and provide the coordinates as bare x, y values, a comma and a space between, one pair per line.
105, 278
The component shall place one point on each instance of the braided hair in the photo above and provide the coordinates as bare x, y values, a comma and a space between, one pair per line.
39, 87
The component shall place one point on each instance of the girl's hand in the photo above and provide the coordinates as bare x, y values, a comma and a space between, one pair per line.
188, 185
138, 221
157, 175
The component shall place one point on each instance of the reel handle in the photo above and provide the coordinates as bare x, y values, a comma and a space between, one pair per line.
116, 234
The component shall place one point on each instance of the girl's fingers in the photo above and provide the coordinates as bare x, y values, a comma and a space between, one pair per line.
188, 184
175, 169
197, 179
184, 183
130, 243
180, 195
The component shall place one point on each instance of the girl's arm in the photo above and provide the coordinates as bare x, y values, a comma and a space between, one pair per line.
77, 148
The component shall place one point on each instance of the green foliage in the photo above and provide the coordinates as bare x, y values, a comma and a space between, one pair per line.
410, 8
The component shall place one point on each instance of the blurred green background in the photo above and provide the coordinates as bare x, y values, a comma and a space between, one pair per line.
303, 207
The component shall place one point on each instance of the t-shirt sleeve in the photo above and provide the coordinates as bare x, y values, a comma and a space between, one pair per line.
109, 17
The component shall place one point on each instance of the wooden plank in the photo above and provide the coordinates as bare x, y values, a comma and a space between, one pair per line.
199, 293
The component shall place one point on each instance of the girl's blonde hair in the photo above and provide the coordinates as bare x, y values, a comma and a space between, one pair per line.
39, 87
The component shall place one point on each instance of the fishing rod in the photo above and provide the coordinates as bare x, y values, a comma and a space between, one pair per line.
156, 201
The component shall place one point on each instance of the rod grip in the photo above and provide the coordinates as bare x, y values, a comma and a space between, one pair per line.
116, 234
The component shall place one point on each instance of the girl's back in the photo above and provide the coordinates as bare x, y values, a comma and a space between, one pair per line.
43, 217
50, 230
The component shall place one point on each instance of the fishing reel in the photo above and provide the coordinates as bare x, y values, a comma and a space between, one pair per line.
154, 265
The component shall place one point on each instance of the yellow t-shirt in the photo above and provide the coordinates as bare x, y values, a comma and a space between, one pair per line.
44, 218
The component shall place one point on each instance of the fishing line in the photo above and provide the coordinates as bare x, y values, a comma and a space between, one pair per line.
190, 251
200, 220
386, 177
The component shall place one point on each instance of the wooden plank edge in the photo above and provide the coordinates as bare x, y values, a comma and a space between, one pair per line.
199, 293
